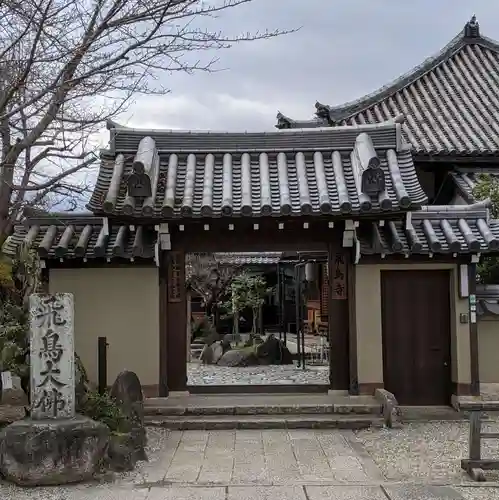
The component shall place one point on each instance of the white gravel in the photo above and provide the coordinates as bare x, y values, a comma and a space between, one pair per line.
199, 374
429, 452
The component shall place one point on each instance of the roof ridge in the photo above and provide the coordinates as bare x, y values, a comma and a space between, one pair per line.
114, 127
475, 210
470, 35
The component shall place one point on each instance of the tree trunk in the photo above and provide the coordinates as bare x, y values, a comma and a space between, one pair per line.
254, 329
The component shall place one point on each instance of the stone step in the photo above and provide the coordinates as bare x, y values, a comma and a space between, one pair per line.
227, 422
152, 409
430, 414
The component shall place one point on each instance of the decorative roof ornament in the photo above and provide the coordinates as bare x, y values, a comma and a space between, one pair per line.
322, 111
283, 121
472, 28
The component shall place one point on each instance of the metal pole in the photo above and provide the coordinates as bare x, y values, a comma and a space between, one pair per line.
303, 308
279, 315
298, 311
284, 324
102, 364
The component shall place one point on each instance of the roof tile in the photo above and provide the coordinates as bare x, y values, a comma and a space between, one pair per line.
435, 230
450, 102
307, 172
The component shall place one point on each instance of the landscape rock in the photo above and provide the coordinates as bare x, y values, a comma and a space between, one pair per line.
273, 352
390, 408
218, 352
226, 345
127, 392
52, 452
237, 357
206, 356
121, 455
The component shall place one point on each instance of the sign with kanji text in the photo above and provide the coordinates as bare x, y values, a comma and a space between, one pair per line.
52, 383
339, 277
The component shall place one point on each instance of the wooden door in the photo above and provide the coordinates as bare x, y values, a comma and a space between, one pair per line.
416, 336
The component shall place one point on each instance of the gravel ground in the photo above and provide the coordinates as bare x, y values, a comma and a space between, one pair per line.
426, 451
199, 374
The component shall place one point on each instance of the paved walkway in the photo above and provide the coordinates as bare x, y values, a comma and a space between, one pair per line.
417, 462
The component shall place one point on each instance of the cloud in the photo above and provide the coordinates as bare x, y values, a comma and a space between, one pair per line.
343, 50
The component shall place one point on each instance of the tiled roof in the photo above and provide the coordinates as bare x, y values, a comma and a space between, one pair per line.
450, 102
83, 238
336, 171
246, 258
465, 181
434, 230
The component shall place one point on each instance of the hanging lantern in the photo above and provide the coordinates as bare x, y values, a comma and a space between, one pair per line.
310, 271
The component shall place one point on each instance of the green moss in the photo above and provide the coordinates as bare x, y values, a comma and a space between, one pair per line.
103, 408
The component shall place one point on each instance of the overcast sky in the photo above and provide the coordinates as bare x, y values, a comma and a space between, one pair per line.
344, 49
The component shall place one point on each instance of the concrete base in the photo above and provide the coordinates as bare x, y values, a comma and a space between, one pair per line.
52, 452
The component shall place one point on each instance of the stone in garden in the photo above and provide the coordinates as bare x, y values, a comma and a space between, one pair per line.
121, 455
226, 345
273, 352
206, 356
127, 392
218, 352
238, 358
52, 451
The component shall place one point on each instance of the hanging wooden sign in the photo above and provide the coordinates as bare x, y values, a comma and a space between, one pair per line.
174, 277
325, 292
339, 277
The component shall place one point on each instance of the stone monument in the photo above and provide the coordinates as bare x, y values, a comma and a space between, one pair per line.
54, 445
51, 347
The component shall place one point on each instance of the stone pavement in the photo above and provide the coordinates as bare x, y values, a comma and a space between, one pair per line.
289, 465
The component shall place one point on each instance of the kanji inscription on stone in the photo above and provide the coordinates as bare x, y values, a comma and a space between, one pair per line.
339, 277
52, 356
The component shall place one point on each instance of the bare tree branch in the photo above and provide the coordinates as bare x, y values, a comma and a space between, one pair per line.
67, 66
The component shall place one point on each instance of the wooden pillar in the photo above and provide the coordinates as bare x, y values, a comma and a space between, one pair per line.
338, 318
176, 322
163, 325
173, 323
474, 362
352, 327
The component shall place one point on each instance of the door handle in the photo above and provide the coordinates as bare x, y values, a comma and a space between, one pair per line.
445, 363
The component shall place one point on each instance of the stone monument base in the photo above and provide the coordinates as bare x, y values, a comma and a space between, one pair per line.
52, 452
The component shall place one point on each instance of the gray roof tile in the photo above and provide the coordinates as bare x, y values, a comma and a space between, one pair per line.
82, 237
444, 229
297, 172
450, 102
434, 230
